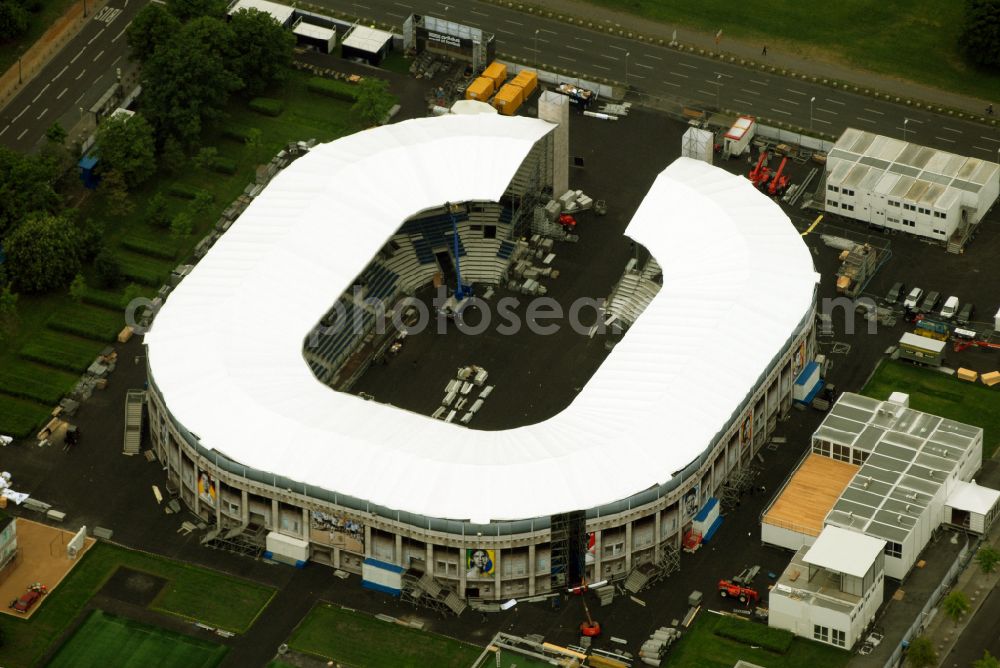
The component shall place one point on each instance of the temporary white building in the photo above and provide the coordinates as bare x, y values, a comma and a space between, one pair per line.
972, 507
225, 351
698, 144
891, 183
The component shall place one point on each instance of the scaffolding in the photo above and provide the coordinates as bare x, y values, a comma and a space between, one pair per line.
646, 575
739, 483
246, 540
568, 545
421, 589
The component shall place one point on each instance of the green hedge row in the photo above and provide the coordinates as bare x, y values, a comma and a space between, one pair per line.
267, 106
224, 165
182, 190
30, 381
144, 271
236, 133
155, 249
87, 321
20, 418
750, 633
102, 298
60, 351
333, 88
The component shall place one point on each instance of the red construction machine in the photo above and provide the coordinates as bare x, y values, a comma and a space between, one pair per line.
779, 182
758, 175
730, 589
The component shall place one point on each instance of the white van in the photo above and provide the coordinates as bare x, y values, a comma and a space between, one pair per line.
950, 308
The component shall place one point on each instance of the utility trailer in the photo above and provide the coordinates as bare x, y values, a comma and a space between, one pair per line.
737, 140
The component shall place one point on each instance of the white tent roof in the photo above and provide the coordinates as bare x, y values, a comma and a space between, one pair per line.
314, 31
973, 498
844, 551
280, 13
225, 351
366, 39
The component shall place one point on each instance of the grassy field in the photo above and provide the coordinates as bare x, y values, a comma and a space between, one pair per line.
910, 39
700, 647
146, 251
190, 592
40, 21
358, 640
939, 394
106, 640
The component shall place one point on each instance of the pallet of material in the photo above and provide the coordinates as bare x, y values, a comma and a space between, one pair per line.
125, 334
991, 378
967, 375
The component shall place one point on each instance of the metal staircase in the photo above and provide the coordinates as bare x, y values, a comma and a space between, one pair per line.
134, 400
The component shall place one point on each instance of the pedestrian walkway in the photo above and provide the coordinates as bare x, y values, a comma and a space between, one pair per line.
776, 56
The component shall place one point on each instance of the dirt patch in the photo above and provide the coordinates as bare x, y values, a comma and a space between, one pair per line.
135, 587
41, 558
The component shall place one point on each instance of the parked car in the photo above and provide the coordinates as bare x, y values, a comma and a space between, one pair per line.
966, 314
931, 301
896, 292
27, 600
950, 308
913, 298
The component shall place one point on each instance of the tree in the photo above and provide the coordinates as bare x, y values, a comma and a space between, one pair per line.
181, 226
263, 50
205, 157
156, 211
77, 288
988, 661
91, 238
186, 10
108, 268
955, 605
132, 291
42, 253
56, 133
153, 26
125, 144
188, 80
25, 188
14, 20
987, 557
201, 202
8, 311
374, 100
980, 38
172, 156
115, 193
921, 653
253, 143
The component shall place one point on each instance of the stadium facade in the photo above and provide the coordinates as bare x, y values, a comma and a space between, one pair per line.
250, 436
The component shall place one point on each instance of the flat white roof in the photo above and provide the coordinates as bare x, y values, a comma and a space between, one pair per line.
844, 551
740, 127
280, 13
972, 498
924, 342
366, 39
225, 351
314, 31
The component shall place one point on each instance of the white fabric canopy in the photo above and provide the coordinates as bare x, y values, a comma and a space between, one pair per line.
844, 551
972, 498
226, 349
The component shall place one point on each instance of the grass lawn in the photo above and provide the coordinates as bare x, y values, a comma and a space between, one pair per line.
49, 11
106, 640
145, 251
213, 598
700, 647
912, 39
358, 640
936, 393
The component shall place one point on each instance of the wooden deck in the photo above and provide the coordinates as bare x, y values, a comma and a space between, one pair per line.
810, 494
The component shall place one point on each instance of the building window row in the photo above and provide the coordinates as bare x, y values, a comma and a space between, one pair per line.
833, 189
821, 633
940, 214
832, 203
909, 207
924, 211
838, 638
893, 202
910, 223
859, 457
841, 453
848, 192
849, 207
941, 232
892, 220
893, 549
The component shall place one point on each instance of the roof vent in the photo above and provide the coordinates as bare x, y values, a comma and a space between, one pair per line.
900, 519
907, 507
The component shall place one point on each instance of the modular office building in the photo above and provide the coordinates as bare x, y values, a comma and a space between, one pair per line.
897, 185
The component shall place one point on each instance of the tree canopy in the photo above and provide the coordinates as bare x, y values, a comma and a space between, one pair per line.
25, 187
263, 50
185, 10
43, 253
14, 19
980, 38
921, 653
374, 100
151, 28
126, 145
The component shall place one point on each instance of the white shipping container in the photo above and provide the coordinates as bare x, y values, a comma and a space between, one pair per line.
698, 144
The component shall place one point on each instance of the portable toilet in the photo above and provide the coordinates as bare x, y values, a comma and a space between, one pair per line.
87, 175
497, 72
481, 89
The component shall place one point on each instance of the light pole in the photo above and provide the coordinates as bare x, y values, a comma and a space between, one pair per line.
19, 80
905, 121
718, 92
626, 69
536, 50
811, 100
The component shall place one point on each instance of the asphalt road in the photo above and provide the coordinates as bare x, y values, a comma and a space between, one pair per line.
980, 635
664, 72
72, 81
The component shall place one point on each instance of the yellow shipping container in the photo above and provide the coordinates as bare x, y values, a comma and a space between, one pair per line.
509, 99
497, 72
528, 80
480, 89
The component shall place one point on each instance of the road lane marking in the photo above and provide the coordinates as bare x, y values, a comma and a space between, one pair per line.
646, 55
864, 120
747, 90
979, 148
820, 120
42, 114
875, 111
62, 93
584, 39
706, 92
950, 141
6, 127
951, 130
101, 32
826, 111
98, 56
474, 12
633, 75
604, 55
836, 102
567, 58
40, 93
400, 4
671, 83
507, 32
759, 83
78, 54
574, 48
693, 67
77, 101
550, 32
781, 111
678, 74
814, 224
739, 101
601, 67
23, 132
713, 82
65, 67
995, 141
796, 92
781, 99
648, 67
80, 74
620, 48
115, 39
14, 120
516, 23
